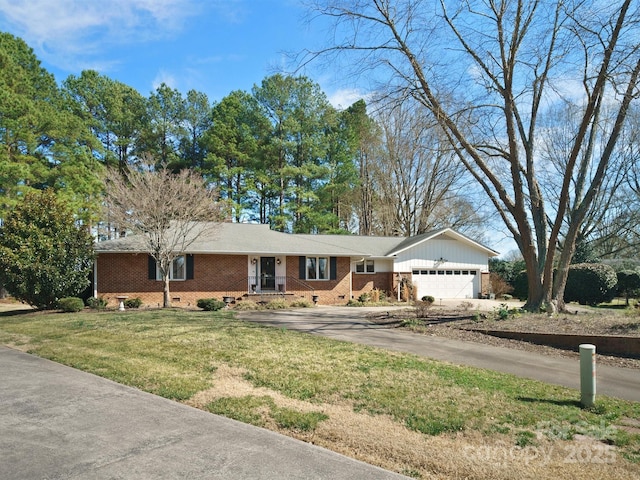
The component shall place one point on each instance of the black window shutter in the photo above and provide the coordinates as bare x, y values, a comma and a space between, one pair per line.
189, 267
333, 268
302, 267
152, 267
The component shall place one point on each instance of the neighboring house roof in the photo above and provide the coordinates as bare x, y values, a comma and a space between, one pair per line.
243, 238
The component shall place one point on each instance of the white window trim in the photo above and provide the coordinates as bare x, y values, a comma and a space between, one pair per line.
328, 273
159, 274
365, 264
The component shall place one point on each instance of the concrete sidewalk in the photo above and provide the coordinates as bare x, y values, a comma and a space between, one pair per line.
349, 324
60, 423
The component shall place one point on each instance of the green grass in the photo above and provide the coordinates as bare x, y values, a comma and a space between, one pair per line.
173, 353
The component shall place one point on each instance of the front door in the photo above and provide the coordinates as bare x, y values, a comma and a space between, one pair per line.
267, 273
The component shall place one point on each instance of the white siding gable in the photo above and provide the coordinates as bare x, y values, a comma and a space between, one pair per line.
442, 252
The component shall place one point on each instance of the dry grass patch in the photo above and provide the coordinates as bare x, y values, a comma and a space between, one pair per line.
422, 418
379, 440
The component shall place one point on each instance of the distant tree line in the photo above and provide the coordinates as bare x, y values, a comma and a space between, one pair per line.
280, 154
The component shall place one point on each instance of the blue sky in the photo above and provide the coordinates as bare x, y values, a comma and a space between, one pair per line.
213, 46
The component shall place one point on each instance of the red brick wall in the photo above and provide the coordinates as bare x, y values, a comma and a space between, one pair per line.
329, 292
365, 282
214, 276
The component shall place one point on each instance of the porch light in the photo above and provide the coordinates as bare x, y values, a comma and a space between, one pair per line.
254, 261
278, 261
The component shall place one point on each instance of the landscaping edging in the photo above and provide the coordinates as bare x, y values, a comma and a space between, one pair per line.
623, 346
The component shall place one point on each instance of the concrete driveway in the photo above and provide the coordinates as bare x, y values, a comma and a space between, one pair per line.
60, 423
350, 324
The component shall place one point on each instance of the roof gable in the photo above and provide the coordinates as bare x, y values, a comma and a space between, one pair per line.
446, 233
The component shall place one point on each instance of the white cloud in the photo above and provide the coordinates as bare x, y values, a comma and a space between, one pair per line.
345, 97
164, 77
67, 32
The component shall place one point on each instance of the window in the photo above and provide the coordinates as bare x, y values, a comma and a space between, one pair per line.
365, 266
178, 270
317, 268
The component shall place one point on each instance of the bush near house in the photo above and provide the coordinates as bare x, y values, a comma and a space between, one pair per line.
629, 284
96, 303
210, 304
133, 302
590, 284
587, 284
70, 304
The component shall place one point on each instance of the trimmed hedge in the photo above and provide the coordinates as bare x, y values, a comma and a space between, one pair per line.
96, 303
590, 284
70, 304
211, 304
587, 284
133, 302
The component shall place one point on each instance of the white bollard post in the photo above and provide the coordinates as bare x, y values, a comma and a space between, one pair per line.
587, 374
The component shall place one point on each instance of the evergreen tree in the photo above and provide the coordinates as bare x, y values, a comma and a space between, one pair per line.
45, 256
234, 142
43, 142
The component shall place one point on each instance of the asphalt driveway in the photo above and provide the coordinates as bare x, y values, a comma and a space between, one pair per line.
60, 423
350, 324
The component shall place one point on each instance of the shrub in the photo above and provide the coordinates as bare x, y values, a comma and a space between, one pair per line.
44, 254
422, 309
375, 295
590, 284
247, 305
406, 289
355, 303
96, 303
277, 305
363, 298
210, 304
302, 303
133, 302
629, 284
498, 285
70, 304
521, 285
506, 296
466, 305
428, 298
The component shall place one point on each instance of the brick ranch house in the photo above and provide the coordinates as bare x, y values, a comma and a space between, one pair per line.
249, 261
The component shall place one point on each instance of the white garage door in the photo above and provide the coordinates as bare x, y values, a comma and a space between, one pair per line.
444, 283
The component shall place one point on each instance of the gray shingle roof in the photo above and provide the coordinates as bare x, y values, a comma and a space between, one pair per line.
242, 238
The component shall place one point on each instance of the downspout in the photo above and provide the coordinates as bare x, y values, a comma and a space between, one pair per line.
350, 280
95, 278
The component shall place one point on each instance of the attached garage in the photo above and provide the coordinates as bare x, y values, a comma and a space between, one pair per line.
443, 264
445, 283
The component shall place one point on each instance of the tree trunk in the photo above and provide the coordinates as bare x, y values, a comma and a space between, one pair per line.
166, 303
535, 292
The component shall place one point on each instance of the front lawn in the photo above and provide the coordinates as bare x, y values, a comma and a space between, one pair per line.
402, 412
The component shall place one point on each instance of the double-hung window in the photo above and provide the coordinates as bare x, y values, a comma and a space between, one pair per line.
317, 268
178, 270
365, 266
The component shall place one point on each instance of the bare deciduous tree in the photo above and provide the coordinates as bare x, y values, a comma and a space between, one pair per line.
489, 71
169, 211
418, 177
